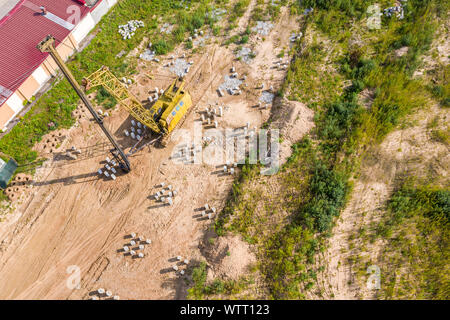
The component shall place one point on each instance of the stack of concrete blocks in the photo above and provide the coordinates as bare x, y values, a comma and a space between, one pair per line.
128, 30
166, 194
109, 170
140, 241
208, 211
73, 152
137, 130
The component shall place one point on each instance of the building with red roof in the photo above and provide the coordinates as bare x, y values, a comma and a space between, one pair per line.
23, 24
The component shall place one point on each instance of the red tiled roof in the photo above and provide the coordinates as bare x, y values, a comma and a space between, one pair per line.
21, 30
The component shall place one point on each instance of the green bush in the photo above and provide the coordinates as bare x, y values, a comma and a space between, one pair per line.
162, 47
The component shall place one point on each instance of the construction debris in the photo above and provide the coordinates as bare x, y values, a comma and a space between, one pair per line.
216, 13
263, 27
230, 85
180, 67
121, 54
294, 37
245, 54
307, 11
267, 97
147, 55
167, 28
397, 10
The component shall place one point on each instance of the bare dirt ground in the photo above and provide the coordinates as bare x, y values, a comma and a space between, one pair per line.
71, 217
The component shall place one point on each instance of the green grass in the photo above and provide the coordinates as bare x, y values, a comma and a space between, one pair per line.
416, 258
316, 178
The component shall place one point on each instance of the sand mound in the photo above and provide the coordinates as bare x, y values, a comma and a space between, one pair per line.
294, 120
229, 257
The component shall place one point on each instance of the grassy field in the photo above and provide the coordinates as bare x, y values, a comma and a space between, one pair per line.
328, 74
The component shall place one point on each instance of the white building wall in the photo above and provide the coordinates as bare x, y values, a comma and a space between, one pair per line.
99, 11
15, 103
83, 28
40, 76
111, 3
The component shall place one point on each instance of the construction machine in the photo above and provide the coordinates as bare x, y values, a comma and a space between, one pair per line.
165, 114
47, 45
162, 118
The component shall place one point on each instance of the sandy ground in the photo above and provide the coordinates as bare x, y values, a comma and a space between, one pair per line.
71, 217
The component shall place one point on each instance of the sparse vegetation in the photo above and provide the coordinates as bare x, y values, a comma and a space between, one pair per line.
323, 164
416, 259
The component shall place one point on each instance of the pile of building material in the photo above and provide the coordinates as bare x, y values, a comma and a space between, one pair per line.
263, 28
102, 293
166, 194
267, 97
136, 243
230, 85
397, 10
180, 67
216, 13
128, 30
147, 55
245, 54
166, 28
202, 41
136, 131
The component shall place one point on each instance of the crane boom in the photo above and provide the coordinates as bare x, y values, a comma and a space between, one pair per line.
104, 77
46, 45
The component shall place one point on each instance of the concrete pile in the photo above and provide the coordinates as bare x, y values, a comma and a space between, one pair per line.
267, 97
180, 67
216, 13
102, 293
245, 54
136, 243
397, 10
263, 28
108, 170
166, 28
128, 30
136, 131
166, 194
230, 85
